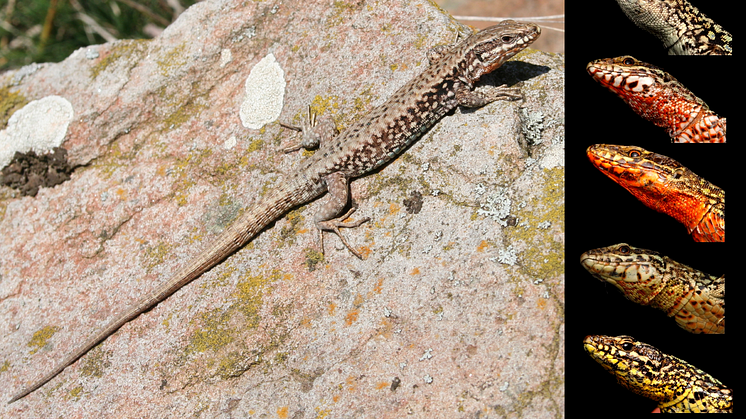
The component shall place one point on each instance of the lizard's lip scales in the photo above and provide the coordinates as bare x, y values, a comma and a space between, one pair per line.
696, 300
658, 97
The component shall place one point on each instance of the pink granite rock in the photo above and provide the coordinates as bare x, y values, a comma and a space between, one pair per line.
456, 310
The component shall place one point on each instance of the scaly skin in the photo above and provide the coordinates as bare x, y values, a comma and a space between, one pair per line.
663, 184
371, 142
694, 298
676, 385
682, 28
658, 97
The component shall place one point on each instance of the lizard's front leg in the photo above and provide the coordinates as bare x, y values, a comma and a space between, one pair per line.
314, 131
486, 95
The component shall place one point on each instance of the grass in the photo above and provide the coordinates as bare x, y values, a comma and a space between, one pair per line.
50, 30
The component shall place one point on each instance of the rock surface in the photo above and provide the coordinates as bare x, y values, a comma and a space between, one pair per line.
456, 311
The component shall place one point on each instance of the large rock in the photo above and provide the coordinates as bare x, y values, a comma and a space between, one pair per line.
456, 310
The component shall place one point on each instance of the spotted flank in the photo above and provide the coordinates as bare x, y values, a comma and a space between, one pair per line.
659, 98
696, 300
676, 385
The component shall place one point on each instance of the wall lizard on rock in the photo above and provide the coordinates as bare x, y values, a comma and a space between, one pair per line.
377, 138
682, 28
676, 385
665, 185
694, 298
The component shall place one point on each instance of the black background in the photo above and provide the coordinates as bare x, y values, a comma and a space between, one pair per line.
601, 213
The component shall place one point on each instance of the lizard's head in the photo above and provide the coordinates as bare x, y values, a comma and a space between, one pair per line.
489, 48
649, 176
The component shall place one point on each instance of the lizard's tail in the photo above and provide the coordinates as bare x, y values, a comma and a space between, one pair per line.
230, 240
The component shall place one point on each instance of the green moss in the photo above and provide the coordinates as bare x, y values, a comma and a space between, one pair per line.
95, 362
183, 182
222, 332
167, 321
214, 333
122, 49
222, 278
215, 330
323, 105
288, 234
76, 392
421, 41
362, 101
182, 114
116, 158
313, 259
233, 365
40, 338
547, 256
10, 102
155, 255
249, 293
172, 60
281, 357
4, 367
255, 145
340, 9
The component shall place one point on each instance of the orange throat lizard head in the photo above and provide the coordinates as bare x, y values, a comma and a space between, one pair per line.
659, 182
645, 174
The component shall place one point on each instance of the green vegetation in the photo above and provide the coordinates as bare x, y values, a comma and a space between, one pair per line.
50, 30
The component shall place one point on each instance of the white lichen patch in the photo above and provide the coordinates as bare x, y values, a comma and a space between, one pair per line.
39, 126
264, 93
230, 142
507, 256
497, 207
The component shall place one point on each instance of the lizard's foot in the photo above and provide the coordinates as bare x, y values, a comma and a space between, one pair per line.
313, 130
337, 223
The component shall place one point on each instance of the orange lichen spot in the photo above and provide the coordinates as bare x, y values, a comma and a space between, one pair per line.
351, 317
379, 286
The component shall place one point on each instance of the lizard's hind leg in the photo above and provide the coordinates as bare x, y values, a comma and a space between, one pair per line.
328, 218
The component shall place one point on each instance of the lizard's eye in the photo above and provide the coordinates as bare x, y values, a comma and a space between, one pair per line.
506, 38
627, 346
629, 61
634, 153
624, 250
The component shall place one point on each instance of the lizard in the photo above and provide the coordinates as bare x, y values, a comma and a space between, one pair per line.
682, 28
658, 97
364, 146
676, 385
694, 298
665, 185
